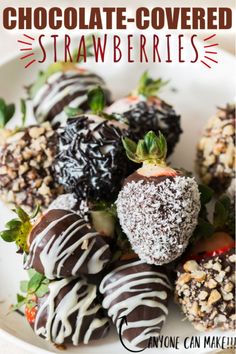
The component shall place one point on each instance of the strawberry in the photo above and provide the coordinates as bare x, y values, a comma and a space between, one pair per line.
157, 206
91, 160
30, 313
61, 90
218, 243
145, 111
138, 292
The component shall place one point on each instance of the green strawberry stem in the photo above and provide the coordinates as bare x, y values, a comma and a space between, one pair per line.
6, 112
97, 102
148, 87
17, 230
152, 149
35, 287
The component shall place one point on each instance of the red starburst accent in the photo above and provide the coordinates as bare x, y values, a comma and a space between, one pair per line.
27, 41
207, 59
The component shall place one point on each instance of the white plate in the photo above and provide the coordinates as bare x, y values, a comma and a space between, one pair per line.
199, 91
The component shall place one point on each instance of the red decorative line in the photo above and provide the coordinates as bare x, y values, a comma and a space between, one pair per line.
215, 61
25, 49
24, 42
210, 45
203, 62
29, 37
206, 39
208, 52
31, 62
26, 56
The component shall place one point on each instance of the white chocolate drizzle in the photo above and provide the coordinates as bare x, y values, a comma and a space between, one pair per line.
57, 249
53, 321
59, 86
135, 285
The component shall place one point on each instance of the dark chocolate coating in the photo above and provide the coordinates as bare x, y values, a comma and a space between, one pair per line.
51, 319
143, 292
135, 177
146, 116
67, 81
205, 289
62, 244
91, 167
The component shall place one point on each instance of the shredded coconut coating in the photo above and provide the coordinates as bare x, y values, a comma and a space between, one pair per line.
159, 218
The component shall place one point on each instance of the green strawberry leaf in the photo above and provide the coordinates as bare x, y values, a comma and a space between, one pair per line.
6, 112
23, 111
149, 87
42, 290
13, 224
17, 230
220, 215
72, 112
24, 286
9, 235
34, 283
96, 100
151, 149
206, 194
20, 298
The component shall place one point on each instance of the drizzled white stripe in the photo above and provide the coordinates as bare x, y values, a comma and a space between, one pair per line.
74, 84
58, 326
144, 296
54, 254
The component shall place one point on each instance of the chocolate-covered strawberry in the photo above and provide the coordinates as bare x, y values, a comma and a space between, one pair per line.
205, 285
145, 111
62, 89
140, 292
157, 205
60, 244
65, 311
26, 166
216, 151
91, 162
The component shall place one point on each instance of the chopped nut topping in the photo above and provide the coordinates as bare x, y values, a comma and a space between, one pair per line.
203, 294
190, 266
214, 297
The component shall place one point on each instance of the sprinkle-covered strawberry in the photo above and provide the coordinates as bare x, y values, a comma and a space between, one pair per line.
157, 206
91, 162
145, 111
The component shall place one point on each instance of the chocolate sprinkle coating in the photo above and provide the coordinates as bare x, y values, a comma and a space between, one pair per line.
146, 116
206, 289
62, 245
92, 162
26, 167
159, 216
70, 313
216, 150
140, 292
